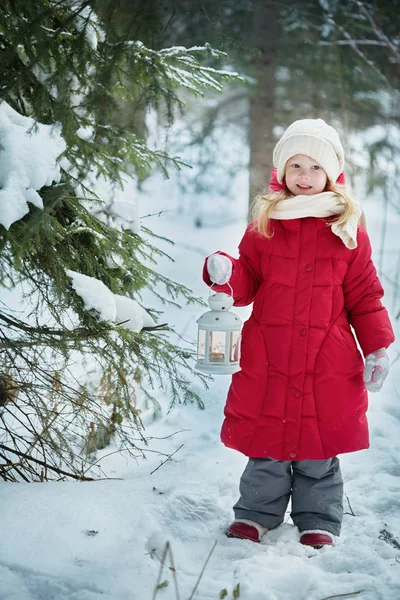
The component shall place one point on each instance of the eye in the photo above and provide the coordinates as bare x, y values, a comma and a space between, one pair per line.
315, 167
295, 165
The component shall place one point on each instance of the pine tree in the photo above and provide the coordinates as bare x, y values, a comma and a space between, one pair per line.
61, 68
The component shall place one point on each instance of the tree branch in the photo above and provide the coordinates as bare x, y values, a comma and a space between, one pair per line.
361, 54
378, 32
44, 464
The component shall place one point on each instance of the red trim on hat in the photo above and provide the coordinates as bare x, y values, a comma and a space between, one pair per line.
275, 186
341, 179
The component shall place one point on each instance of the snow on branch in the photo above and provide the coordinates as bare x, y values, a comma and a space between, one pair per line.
181, 66
87, 21
28, 161
352, 43
110, 307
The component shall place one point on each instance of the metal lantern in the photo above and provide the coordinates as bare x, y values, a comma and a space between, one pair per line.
218, 341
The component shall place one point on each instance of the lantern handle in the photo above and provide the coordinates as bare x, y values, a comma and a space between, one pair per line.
210, 288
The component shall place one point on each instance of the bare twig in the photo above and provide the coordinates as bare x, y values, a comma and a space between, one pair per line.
351, 510
142, 450
342, 595
167, 459
171, 568
174, 573
202, 571
9, 465
167, 550
157, 214
164, 554
43, 464
167, 436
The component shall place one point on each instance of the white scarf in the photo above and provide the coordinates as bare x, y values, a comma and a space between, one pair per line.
324, 204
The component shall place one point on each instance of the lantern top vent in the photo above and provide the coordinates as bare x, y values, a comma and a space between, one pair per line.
220, 301
219, 318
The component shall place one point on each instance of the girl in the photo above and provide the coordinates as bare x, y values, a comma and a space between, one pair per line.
301, 395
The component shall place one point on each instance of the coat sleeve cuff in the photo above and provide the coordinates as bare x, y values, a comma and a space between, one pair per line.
373, 330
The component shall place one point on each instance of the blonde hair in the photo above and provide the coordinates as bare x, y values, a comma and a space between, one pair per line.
264, 204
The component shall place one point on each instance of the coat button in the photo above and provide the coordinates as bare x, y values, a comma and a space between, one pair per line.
308, 267
293, 455
297, 393
303, 332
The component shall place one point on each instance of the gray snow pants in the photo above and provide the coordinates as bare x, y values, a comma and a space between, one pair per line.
316, 488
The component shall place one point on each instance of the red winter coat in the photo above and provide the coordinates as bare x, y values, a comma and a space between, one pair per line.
300, 392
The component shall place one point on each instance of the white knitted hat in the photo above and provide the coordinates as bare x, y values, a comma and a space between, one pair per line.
314, 138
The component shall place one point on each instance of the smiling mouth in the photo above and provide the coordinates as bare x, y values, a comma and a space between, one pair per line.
304, 187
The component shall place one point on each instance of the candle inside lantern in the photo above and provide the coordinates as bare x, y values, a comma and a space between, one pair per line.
217, 357
217, 346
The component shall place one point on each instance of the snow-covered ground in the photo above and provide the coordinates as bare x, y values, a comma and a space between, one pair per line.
105, 540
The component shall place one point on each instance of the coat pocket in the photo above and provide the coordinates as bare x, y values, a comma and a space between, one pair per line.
339, 352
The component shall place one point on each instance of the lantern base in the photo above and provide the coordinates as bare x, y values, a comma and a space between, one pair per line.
217, 369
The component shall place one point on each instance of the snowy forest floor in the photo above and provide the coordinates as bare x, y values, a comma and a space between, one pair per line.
104, 540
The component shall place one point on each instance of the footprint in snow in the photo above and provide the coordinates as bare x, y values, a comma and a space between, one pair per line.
192, 515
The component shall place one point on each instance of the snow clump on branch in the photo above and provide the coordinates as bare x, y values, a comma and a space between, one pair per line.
110, 307
28, 161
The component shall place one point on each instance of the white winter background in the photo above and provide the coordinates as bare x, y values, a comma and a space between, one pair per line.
104, 540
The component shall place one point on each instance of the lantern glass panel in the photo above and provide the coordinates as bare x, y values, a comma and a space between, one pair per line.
216, 352
234, 346
201, 345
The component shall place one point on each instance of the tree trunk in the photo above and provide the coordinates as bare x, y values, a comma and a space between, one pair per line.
262, 99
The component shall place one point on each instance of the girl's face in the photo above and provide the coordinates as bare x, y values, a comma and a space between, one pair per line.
303, 175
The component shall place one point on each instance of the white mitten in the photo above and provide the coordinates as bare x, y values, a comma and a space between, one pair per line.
376, 369
219, 268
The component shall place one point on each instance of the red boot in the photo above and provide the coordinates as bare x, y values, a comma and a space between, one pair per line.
246, 530
316, 538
